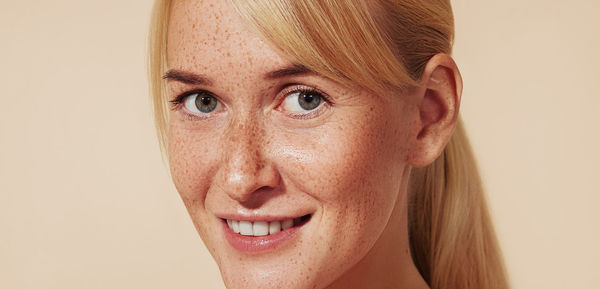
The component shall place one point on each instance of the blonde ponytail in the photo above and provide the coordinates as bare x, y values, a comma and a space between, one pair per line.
453, 243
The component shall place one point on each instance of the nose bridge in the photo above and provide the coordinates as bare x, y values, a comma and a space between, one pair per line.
242, 141
245, 169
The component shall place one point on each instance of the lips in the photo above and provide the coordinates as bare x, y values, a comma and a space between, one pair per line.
261, 235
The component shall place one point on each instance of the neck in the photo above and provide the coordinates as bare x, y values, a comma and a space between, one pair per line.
389, 263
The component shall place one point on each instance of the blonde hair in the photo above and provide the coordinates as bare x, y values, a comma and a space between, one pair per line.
378, 45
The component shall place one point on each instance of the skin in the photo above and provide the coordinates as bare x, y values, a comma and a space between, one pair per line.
347, 165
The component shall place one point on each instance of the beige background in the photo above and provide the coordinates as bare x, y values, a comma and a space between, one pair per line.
86, 202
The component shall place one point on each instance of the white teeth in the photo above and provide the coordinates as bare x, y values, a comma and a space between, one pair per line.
235, 226
287, 224
274, 227
246, 228
260, 228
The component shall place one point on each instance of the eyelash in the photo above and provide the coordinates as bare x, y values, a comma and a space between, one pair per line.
300, 88
177, 102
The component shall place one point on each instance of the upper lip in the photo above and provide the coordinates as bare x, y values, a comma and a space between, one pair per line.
259, 218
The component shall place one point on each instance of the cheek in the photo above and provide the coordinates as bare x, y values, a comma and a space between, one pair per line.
356, 158
354, 167
190, 157
360, 185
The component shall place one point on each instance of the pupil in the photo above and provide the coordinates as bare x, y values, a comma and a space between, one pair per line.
309, 101
205, 102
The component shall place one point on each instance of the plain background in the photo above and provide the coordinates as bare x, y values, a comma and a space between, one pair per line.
86, 201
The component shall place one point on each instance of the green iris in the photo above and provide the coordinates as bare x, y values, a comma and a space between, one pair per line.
309, 100
206, 102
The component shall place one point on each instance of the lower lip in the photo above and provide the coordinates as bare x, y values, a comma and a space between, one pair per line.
252, 244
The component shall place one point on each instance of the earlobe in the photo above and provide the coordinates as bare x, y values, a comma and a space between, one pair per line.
439, 103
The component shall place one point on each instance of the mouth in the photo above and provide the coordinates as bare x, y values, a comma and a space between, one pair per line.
263, 228
262, 235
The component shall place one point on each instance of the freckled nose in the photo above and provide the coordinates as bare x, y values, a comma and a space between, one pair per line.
246, 173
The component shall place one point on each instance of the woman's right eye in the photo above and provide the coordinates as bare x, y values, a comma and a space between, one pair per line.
199, 103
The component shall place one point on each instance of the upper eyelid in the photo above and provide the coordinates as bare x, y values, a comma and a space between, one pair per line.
181, 96
291, 88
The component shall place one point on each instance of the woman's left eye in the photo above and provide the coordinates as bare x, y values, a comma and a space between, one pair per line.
302, 102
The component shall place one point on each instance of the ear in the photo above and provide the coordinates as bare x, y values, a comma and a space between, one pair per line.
438, 103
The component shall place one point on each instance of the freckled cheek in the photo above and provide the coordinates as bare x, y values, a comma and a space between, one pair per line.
358, 183
357, 160
191, 157
353, 173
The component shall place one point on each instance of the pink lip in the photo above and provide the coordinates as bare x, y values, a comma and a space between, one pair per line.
251, 244
263, 218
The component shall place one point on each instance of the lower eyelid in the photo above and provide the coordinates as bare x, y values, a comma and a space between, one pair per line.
180, 108
321, 109
304, 88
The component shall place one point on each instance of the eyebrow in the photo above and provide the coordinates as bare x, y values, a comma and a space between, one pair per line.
200, 79
187, 77
292, 70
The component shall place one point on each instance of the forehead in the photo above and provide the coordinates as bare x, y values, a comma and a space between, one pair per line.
211, 37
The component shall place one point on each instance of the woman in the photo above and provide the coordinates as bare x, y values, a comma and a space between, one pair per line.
316, 144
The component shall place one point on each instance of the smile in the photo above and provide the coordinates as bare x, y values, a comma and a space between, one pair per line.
262, 228
253, 236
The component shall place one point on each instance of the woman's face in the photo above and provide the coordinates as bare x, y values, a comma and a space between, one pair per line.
258, 144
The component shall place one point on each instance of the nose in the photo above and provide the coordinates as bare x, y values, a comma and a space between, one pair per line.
246, 174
